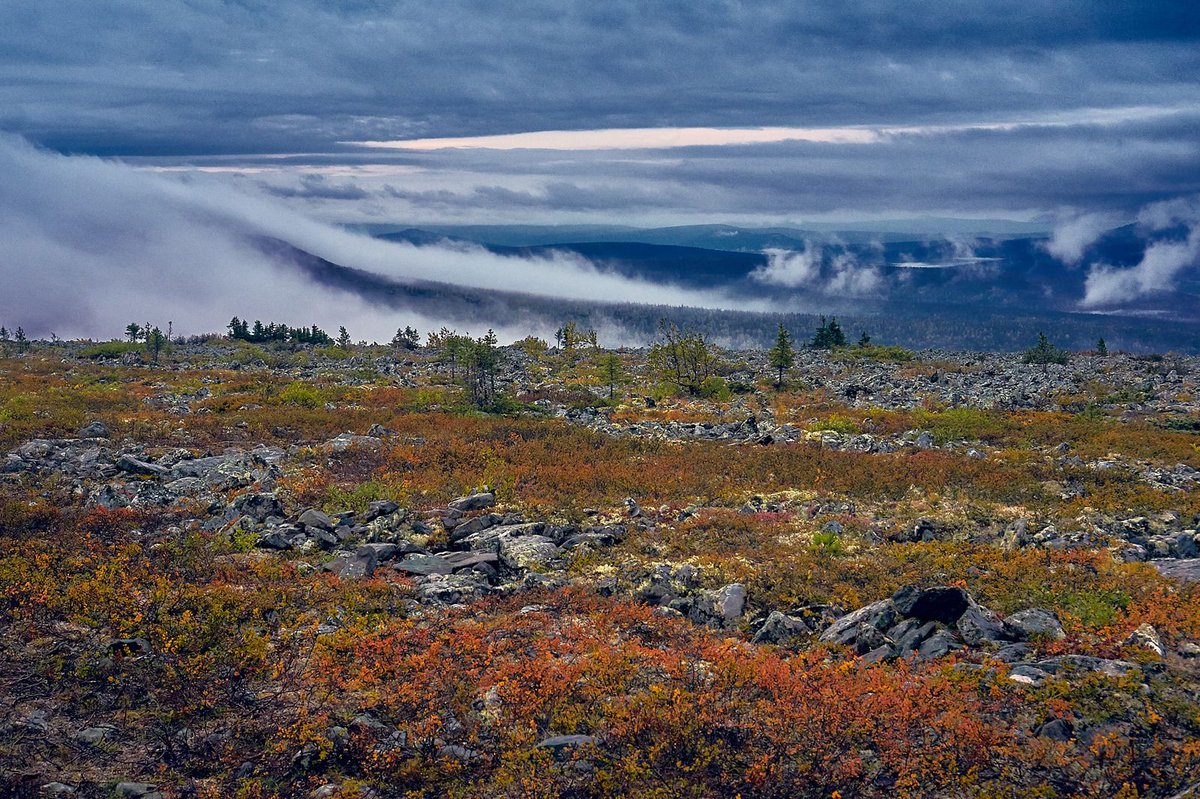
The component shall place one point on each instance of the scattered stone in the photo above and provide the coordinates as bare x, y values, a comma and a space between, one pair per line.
1146, 637
96, 735
94, 429
562, 746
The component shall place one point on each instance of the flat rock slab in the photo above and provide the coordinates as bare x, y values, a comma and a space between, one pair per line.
424, 565
1182, 569
465, 560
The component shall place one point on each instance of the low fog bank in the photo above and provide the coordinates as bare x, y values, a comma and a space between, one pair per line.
92, 244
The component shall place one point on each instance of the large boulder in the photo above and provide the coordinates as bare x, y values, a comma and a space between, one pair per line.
978, 625
942, 603
720, 608
315, 519
527, 551
1035, 623
779, 628
878, 616
94, 429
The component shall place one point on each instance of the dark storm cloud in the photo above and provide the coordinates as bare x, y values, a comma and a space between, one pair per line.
209, 76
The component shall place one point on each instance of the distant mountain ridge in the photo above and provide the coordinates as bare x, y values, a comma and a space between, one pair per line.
972, 323
997, 272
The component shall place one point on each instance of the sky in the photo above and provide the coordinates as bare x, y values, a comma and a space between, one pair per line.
628, 112
1072, 114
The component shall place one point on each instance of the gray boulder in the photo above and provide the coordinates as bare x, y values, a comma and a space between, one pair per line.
978, 625
527, 551
1035, 623
357, 566
779, 628
473, 502
130, 464
720, 608
315, 519
878, 616
94, 429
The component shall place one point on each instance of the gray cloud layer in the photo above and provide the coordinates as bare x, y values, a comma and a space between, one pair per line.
187, 85
217, 76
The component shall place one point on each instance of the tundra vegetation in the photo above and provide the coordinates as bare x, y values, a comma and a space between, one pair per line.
276, 564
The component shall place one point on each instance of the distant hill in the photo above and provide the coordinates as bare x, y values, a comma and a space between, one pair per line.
971, 323
992, 273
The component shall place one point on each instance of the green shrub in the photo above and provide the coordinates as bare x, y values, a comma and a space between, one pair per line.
301, 394
827, 543
17, 408
971, 424
715, 388
332, 353
110, 349
836, 423
884, 354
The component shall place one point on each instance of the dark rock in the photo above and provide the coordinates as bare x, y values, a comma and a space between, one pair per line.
472, 526
879, 615
942, 603
940, 644
136, 790
473, 502
379, 508
909, 634
1056, 730
94, 430
467, 560
978, 625
880, 653
258, 506
313, 518
357, 566
383, 551
274, 539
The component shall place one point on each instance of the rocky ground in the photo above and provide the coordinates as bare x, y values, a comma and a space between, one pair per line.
1028, 534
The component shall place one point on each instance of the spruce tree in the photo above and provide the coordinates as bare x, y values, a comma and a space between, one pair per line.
782, 356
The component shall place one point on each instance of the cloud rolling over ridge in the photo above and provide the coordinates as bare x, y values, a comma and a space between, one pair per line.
92, 244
